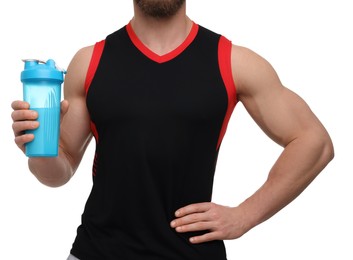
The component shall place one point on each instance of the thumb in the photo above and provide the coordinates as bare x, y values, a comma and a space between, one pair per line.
63, 108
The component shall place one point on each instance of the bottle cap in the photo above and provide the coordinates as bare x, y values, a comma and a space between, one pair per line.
37, 69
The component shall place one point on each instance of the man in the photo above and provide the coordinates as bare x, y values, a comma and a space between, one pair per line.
157, 95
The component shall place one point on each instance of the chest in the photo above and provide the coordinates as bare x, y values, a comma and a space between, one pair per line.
129, 86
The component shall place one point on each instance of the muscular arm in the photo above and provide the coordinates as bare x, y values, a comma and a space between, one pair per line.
287, 120
74, 130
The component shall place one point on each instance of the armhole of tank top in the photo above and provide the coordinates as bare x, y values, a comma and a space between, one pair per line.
93, 65
225, 67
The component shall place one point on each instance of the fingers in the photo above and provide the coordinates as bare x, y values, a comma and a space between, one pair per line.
192, 222
23, 119
19, 127
197, 222
193, 213
22, 115
18, 104
205, 238
64, 107
216, 221
193, 208
195, 217
21, 140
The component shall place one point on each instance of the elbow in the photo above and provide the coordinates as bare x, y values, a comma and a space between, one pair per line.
49, 172
53, 181
327, 148
329, 151
321, 147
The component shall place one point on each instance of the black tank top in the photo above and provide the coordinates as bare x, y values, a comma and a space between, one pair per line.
158, 122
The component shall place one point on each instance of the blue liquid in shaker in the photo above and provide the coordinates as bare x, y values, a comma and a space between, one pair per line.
46, 136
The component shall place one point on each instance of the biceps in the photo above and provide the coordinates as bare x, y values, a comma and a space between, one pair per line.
281, 114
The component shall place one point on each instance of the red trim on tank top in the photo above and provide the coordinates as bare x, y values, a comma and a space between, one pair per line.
93, 65
225, 66
168, 56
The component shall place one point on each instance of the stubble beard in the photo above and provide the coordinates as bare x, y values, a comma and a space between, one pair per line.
159, 8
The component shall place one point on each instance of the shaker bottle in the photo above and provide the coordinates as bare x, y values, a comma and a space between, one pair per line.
42, 90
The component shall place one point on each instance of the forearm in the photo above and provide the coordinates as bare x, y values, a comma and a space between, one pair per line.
298, 165
53, 172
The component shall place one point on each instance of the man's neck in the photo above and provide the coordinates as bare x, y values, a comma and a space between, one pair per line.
161, 35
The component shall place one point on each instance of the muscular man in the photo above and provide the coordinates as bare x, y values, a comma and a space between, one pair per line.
156, 96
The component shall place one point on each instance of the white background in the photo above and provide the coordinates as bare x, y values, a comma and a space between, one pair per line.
308, 42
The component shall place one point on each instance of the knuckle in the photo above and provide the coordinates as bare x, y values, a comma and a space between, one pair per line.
186, 227
14, 124
194, 218
13, 115
219, 235
213, 205
214, 214
181, 222
18, 115
18, 141
17, 128
14, 104
176, 222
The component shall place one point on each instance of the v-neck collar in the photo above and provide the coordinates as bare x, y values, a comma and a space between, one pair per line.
165, 57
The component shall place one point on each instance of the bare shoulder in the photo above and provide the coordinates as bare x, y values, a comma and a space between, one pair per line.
81, 59
77, 70
84, 53
252, 72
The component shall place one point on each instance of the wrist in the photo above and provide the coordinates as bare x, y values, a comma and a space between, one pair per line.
248, 217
